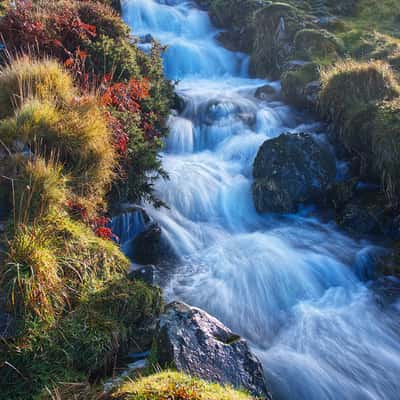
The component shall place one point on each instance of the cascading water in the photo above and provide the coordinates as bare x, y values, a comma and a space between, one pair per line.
288, 284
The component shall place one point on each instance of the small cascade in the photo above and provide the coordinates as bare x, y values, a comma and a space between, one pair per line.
127, 225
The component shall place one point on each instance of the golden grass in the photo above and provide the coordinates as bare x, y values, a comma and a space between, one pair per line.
25, 77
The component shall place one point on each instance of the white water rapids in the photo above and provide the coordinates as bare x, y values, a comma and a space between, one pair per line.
288, 284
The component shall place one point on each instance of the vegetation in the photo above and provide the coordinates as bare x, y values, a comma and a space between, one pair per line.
174, 385
77, 130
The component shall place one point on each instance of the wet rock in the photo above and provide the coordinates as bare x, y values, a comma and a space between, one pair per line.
150, 247
265, 92
290, 170
247, 118
365, 214
146, 38
196, 343
143, 273
386, 290
341, 193
358, 219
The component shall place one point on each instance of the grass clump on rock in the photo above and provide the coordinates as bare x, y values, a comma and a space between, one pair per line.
175, 385
349, 86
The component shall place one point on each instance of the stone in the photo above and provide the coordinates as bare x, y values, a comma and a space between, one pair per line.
144, 273
150, 247
196, 343
265, 92
290, 170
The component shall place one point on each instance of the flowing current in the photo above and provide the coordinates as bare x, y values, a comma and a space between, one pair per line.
291, 285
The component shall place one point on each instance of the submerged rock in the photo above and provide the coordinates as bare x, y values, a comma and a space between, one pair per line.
290, 170
196, 343
265, 92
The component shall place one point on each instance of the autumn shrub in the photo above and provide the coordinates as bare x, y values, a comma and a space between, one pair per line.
46, 27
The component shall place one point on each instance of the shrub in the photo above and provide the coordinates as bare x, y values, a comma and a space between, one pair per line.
50, 27
116, 57
25, 77
175, 385
104, 18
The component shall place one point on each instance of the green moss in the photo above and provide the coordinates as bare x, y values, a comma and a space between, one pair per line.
176, 385
271, 50
294, 82
106, 323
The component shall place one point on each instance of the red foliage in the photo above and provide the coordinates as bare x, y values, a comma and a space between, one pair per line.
101, 228
77, 209
104, 233
55, 30
120, 137
126, 96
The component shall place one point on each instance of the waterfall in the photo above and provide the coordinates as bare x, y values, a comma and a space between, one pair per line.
289, 284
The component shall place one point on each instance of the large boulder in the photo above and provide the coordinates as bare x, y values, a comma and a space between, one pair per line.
196, 343
290, 170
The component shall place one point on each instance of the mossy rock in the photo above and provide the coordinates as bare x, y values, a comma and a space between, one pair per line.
311, 44
275, 27
110, 320
174, 385
298, 83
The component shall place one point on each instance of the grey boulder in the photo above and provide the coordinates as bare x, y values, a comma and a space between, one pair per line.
194, 342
